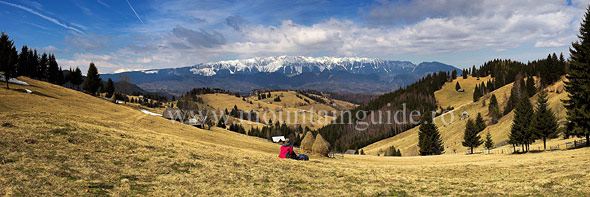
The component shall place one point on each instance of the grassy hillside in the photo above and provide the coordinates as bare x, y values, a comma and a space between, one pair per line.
452, 132
58, 141
290, 108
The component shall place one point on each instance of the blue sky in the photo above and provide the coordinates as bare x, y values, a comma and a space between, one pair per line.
121, 35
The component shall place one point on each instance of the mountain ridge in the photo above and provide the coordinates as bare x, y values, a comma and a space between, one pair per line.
343, 74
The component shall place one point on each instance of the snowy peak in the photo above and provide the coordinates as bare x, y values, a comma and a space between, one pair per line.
299, 64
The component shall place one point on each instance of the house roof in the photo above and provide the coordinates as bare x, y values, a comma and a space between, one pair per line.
276, 139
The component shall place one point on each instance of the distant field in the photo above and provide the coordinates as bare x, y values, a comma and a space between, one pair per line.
58, 141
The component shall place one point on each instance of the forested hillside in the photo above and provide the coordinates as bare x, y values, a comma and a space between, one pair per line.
419, 96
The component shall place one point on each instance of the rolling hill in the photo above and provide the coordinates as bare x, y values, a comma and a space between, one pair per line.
57, 141
293, 108
452, 132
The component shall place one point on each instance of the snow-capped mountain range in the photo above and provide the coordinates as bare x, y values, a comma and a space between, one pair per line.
298, 64
336, 74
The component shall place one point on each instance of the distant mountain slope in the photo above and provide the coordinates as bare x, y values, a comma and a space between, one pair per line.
341, 75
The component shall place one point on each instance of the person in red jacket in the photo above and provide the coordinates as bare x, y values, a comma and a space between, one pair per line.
287, 150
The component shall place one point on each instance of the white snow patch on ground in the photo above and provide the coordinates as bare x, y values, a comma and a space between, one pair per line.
13, 80
150, 113
28, 91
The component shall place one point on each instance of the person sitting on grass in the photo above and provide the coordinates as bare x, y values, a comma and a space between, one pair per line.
287, 150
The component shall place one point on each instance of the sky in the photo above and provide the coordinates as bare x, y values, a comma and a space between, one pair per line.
126, 35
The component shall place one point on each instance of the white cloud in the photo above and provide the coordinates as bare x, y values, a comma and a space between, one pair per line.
442, 27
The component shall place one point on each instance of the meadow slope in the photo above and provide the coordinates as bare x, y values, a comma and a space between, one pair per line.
58, 141
452, 127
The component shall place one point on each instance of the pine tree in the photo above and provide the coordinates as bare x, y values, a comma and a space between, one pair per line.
76, 78
494, 109
53, 72
489, 144
92, 82
544, 123
453, 74
42, 68
480, 124
33, 64
476, 93
578, 108
109, 88
513, 99
520, 132
23, 62
464, 74
8, 58
457, 86
470, 138
429, 139
530, 86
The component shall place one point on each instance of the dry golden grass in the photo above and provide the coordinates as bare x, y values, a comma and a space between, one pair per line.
452, 132
289, 109
63, 142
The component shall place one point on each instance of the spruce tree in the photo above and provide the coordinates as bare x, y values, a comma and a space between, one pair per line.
429, 139
480, 124
520, 132
8, 58
578, 108
494, 109
544, 122
512, 100
109, 88
489, 144
53, 72
457, 86
23, 62
33, 64
42, 68
464, 74
476, 93
530, 86
76, 78
92, 82
470, 137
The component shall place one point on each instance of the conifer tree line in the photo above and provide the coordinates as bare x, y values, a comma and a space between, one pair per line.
33, 64
29, 63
